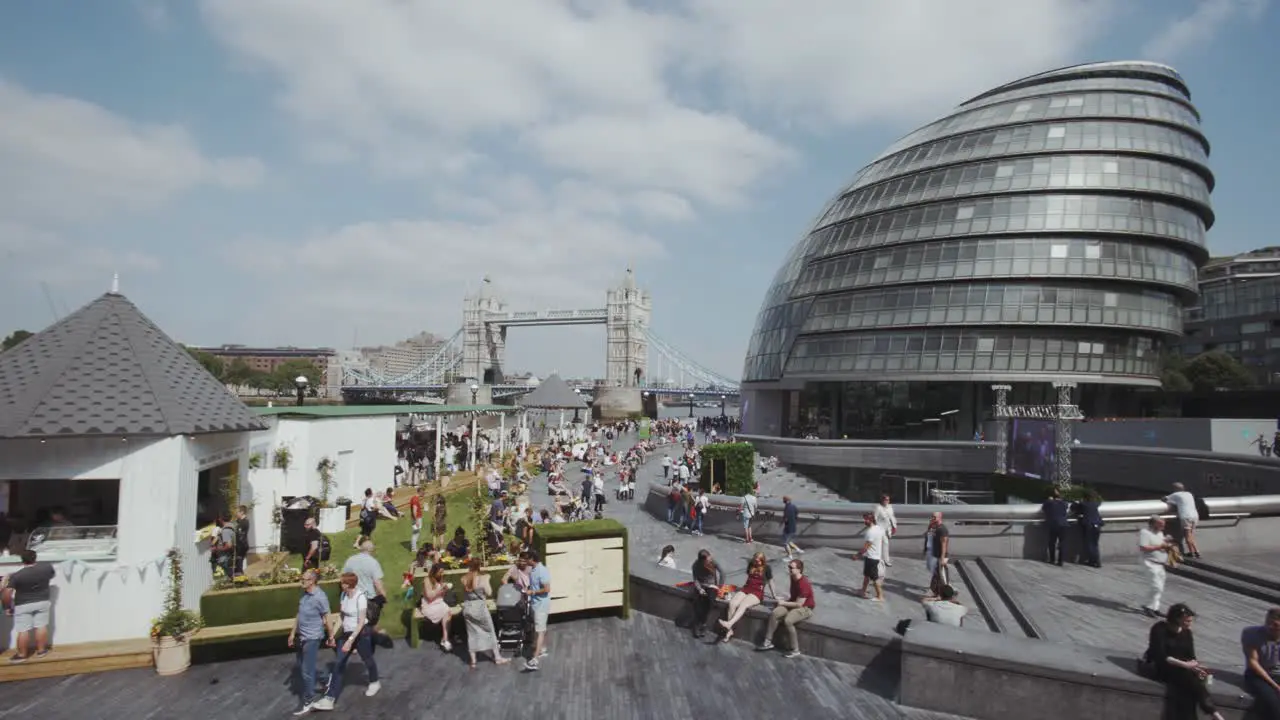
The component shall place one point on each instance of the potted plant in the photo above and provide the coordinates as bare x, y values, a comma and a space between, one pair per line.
332, 519
255, 461
282, 457
171, 632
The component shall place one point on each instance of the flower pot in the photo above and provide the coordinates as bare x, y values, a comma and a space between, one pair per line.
172, 655
333, 520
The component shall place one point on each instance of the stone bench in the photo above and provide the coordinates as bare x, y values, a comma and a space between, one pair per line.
948, 670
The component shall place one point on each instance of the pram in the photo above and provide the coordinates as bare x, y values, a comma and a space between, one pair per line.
513, 619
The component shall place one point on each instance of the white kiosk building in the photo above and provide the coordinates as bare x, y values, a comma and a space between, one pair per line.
107, 422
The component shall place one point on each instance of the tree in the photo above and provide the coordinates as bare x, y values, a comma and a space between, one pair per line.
210, 362
1173, 376
1216, 370
13, 340
238, 372
286, 372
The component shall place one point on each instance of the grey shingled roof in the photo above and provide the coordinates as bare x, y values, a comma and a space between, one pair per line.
553, 394
108, 370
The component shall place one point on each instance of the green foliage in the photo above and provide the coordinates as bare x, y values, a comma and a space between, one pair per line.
282, 457
238, 372
479, 526
257, 604
14, 339
255, 461
740, 468
174, 621
325, 468
1216, 370
210, 362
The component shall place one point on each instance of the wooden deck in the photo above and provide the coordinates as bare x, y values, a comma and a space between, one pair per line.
78, 659
1100, 608
599, 668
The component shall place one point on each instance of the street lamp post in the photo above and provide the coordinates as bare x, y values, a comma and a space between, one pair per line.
474, 390
690, 404
300, 383
722, 399
644, 403
578, 392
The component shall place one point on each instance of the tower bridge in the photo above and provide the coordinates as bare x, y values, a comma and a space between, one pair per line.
635, 358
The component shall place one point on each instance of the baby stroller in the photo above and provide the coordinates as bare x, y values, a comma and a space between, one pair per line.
514, 619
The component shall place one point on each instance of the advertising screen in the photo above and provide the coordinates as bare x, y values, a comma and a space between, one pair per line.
1033, 451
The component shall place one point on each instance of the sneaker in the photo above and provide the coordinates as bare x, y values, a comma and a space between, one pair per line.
308, 707
531, 665
792, 654
544, 653
373, 689
324, 703
18, 658
766, 645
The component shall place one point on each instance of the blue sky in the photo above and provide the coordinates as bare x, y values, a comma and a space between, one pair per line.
320, 172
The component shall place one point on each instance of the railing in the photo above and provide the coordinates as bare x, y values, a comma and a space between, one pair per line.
1119, 511
958, 497
532, 316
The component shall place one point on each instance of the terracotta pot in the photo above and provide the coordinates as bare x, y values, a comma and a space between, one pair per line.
172, 655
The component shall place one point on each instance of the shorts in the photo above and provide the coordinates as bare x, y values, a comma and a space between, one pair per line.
31, 616
540, 618
1188, 524
746, 522
870, 569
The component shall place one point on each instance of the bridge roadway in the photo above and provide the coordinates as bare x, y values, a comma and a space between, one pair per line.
510, 390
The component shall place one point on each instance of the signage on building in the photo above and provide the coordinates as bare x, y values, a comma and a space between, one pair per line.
1040, 412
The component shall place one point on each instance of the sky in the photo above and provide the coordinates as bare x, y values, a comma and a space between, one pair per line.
342, 172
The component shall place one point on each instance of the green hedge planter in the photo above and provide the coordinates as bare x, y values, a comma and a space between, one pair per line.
414, 627
587, 530
256, 604
740, 467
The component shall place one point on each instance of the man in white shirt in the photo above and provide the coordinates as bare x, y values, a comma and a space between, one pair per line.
1184, 504
888, 522
1154, 546
666, 466
872, 544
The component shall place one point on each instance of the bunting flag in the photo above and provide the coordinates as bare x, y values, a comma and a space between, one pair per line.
68, 567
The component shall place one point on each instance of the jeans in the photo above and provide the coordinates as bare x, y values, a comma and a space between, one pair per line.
362, 646
700, 516
307, 651
671, 510
1155, 577
1266, 699
788, 537
789, 617
1055, 542
703, 602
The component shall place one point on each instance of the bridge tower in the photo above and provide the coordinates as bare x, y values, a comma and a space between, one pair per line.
626, 345
484, 344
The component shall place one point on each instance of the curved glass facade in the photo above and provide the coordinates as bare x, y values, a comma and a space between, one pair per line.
1047, 229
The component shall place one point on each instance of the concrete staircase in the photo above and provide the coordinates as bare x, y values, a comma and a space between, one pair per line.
784, 481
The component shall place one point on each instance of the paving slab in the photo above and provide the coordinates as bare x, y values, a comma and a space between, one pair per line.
641, 668
1100, 607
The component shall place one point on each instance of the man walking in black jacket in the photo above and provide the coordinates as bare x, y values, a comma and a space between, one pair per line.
1055, 523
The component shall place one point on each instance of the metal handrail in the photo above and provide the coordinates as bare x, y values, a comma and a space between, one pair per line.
1120, 511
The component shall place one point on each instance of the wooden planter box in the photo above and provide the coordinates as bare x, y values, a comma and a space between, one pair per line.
588, 565
238, 606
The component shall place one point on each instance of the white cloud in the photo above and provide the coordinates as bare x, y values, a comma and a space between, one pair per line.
389, 277
63, 159
1199, 27
155, 14
66, 164
548, 138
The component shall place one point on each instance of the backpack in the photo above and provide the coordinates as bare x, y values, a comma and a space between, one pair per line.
366, 515
325, 548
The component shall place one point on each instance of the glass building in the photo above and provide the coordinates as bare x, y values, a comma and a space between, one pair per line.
1239, 312
1049, 229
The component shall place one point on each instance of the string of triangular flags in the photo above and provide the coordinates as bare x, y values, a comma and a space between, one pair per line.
67, 568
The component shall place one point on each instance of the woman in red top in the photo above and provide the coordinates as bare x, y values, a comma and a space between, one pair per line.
759, 576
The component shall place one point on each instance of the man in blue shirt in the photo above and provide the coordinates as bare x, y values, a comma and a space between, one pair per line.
309, 630
1089, 513
539, 592
1055, 524
790, 524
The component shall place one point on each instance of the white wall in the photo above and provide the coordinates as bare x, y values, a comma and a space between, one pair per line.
158, 485
363, 447
1238, 436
